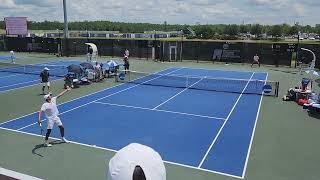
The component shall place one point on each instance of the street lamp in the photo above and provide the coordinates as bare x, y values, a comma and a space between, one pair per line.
59, 43
75, 47
87, 34
154, 45
58, 33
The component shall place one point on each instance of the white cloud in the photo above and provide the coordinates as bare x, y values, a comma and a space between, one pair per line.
7, 4
299, 9
273, 4
39, 3
172, 11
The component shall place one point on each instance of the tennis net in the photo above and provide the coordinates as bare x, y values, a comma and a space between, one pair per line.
244, 86
55, 70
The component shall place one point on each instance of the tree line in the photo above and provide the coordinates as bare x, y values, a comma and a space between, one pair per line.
217, 31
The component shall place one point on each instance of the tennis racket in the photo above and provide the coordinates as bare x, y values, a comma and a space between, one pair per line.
41, 130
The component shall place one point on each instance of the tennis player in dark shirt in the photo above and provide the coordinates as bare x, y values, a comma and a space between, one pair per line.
44, 77
90, 51
126, 64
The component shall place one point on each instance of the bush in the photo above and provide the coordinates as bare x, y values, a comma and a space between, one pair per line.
2, 46
226, 37
275, 39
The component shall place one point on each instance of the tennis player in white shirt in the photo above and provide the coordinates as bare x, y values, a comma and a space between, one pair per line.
52, 112
12, 56
256, 60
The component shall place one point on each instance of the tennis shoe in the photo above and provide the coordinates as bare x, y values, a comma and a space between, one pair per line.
47, 145
64, 140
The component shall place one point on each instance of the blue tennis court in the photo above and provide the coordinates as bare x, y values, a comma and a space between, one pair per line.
201, 129
4, 58
14, 80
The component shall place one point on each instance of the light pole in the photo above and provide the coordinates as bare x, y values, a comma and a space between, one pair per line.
154, 44
75, 47
59, 43
298, 48
181, 32
87, 34
66, 30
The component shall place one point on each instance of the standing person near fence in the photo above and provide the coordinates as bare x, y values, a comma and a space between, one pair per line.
90, 52
256, 60
97, 69
52, 112
12, 56
126, 64
45, 79
126, 53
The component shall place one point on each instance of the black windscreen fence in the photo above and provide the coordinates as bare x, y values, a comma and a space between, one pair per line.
229, 52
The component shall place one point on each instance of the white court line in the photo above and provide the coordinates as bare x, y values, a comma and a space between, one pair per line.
19, 83
115, 151
202, 169
16, 175
160, 110
47, 63
10, 75
101, 98
73, 142
253, 133
177, 94
211, 77
71, 100
227, 70
27, 86
221, 128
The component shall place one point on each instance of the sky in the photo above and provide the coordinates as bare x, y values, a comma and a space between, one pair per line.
172, 11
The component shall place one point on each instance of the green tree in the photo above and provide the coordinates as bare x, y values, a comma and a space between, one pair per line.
276, 31
285, 29
308, 29
317, 29
1, 24
256, 29
293, 30
244, 28
204, 32
231, 30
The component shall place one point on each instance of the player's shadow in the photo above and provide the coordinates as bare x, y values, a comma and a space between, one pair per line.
56, 142
37, 147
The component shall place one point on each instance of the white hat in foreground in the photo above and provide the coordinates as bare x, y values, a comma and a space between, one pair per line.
122, 165
45, 97
47, 69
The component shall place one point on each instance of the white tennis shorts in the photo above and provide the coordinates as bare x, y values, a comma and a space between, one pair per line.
52, 121
46, 84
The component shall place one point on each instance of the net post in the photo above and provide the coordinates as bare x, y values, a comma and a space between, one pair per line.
277, 89
256, 83
129, 75
187, 81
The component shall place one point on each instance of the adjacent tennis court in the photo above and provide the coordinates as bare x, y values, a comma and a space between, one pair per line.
192, 117
13, 76
4, 58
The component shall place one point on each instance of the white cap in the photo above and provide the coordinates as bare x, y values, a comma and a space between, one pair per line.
45, 97
46, 69
122, 165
